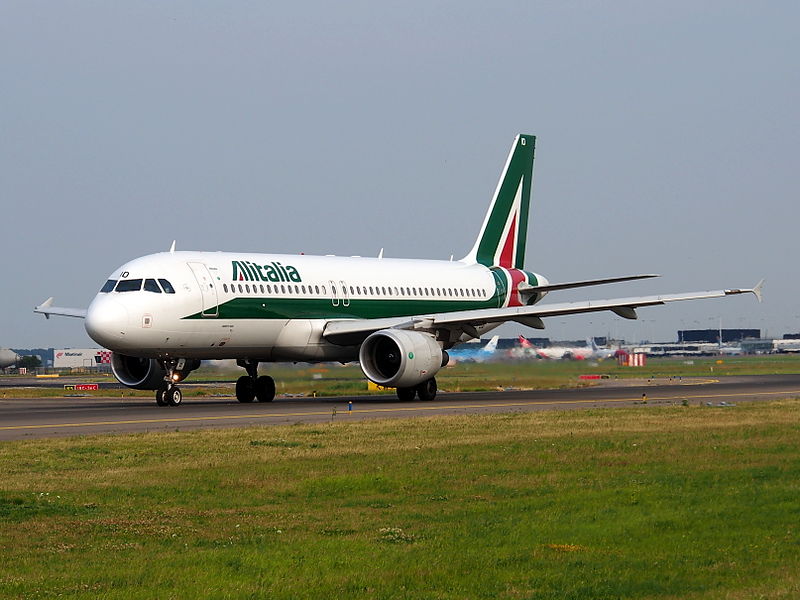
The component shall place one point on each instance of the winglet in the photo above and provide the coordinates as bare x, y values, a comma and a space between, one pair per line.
46, 304
757, 290
172, 248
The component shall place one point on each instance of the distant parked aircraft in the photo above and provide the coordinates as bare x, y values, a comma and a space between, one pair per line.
591, 351
487, 352
7, 358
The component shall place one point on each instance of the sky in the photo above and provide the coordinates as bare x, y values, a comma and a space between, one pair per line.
666, 143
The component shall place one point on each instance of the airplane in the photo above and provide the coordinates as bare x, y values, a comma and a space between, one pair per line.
559, 352
466, 354
163, 313
7, 358
591, 351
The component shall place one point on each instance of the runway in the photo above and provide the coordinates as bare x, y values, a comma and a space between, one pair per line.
30, 418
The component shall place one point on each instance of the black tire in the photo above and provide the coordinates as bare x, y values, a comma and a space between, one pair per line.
160, 398
173, 396
427, 389
245, 389
265, 388
406, 394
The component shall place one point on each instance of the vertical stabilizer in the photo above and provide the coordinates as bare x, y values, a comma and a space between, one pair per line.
501, 242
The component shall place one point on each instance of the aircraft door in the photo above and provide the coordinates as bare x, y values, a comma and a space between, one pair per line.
345, 295
208, 293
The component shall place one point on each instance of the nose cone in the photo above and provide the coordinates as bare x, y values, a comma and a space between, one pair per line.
107, 321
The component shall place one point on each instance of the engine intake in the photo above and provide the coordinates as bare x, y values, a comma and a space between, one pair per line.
400, 358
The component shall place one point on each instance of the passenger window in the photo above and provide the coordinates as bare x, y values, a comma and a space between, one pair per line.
129, 285
109, 285
283, 289
150, 285
225, 287
269, 289
167, 286
316, 289
241, 289
323, 290
247, 287
303, 288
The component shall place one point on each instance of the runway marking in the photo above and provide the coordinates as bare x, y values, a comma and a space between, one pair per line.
385, 410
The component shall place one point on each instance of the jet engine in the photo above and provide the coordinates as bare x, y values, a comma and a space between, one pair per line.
146, 373
400, 358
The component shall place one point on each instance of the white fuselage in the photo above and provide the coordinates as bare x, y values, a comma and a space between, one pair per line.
271, 307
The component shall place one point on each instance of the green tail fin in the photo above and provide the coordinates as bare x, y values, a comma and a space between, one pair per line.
501, 242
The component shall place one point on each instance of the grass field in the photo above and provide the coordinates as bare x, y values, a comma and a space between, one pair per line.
647, 502
327, 380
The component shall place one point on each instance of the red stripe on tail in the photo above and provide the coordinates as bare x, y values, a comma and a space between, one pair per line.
507, 255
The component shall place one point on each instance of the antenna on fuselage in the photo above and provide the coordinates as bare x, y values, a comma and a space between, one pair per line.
172, 248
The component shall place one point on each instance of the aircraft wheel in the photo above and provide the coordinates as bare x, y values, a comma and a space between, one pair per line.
427, 389
265, 388
160, 397
245, 390
173, 396
406, 394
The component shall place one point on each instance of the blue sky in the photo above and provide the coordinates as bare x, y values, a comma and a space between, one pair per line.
666, 143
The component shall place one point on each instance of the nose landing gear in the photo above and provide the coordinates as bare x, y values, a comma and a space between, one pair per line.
170, 394
251, 387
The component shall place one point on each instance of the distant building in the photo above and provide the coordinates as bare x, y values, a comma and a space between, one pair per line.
712, 335
77, 358
791, 336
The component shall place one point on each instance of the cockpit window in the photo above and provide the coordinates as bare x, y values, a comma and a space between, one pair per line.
129, 285
167, 286
150, 285
108, 286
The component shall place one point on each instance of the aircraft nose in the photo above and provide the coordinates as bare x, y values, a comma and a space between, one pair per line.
106, 321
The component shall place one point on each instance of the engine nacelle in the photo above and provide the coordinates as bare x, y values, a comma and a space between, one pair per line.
400, 358
146, 373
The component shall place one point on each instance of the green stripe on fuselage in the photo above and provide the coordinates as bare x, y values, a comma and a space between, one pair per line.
322, 308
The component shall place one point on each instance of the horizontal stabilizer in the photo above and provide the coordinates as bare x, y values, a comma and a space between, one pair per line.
551, 287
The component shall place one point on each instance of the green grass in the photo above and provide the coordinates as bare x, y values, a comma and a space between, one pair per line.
647, 502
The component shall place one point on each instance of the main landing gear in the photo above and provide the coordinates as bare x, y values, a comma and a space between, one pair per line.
251, 387
425, 390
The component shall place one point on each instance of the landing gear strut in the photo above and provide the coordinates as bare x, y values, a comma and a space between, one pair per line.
251, 387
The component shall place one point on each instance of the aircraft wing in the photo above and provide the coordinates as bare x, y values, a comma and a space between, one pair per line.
353, 331
46, 308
